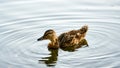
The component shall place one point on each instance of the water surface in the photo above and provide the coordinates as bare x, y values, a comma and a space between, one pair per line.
23, 22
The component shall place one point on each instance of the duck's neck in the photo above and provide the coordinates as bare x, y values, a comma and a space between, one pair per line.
54, 43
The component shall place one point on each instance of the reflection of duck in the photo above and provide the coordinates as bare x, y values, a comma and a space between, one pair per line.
51, 60
68, 39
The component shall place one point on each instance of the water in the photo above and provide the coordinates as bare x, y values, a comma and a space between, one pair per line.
23, 22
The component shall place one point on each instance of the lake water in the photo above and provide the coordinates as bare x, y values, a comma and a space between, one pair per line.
22, 22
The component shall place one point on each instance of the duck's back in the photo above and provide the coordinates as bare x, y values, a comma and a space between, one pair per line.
66, 39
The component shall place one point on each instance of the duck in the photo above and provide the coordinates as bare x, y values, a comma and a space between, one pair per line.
66, 39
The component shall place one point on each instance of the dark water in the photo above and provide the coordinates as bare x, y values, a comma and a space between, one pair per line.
23, 22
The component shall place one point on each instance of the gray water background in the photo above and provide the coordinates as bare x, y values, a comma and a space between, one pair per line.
22, 22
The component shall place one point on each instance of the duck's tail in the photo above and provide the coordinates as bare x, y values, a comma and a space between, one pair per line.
83, 29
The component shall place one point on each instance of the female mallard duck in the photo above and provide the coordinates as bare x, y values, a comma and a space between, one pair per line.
67, 39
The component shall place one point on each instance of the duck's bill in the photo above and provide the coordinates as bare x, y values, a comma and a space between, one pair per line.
39, 39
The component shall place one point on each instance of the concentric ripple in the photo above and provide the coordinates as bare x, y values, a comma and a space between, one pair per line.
23, 22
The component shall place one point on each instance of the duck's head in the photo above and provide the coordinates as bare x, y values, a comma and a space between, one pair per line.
49, 34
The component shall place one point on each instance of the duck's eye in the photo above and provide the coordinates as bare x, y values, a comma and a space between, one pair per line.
47, 34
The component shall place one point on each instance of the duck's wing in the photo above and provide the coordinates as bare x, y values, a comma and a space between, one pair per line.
62, 39
65, 39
